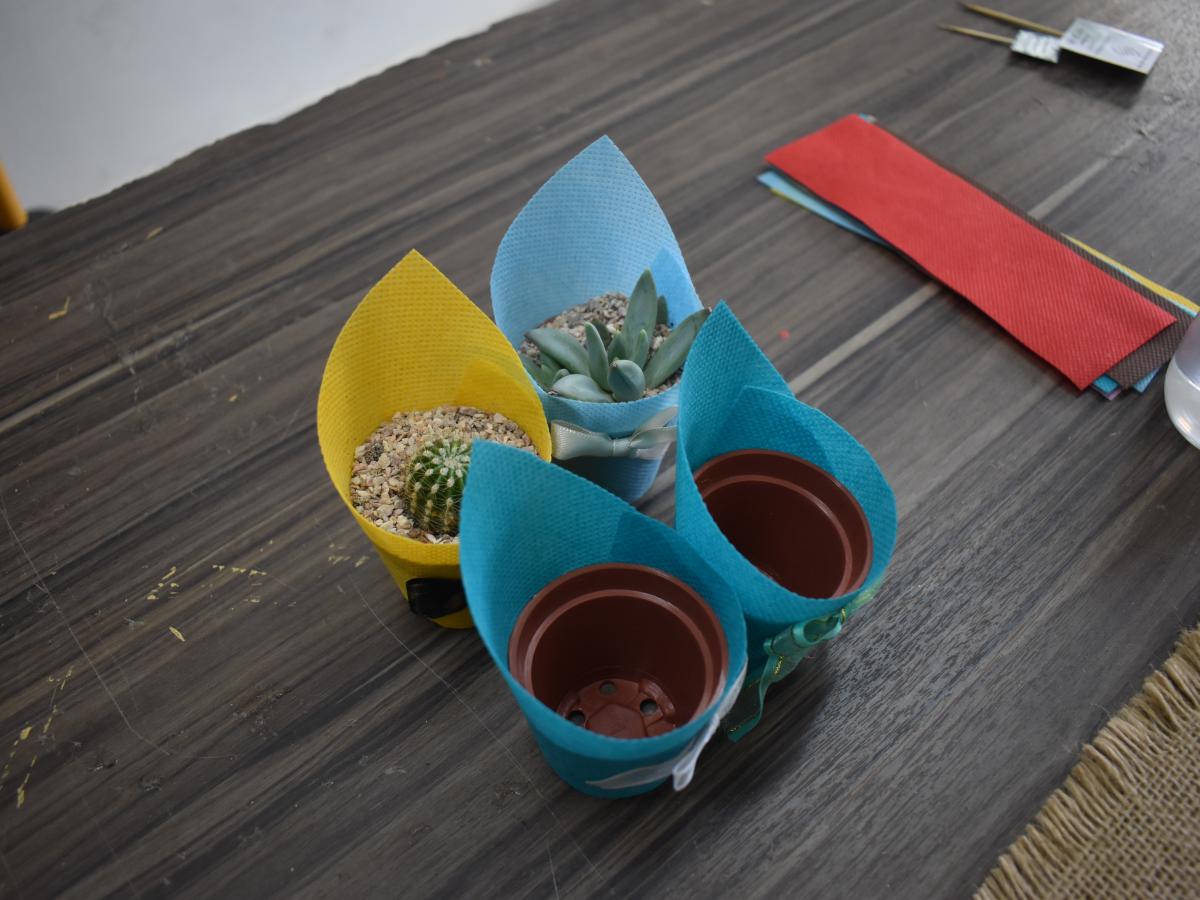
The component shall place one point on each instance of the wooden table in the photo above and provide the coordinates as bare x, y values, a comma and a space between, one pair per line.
211, 686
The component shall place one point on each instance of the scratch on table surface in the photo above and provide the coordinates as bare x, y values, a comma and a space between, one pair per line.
25, 783
59, 313
238, 570
27, 730
12, 879
164, 585
40, 583
60, 685
112, 853
336, 558
553, 875
13, 753
478, 718
287, 429
153, 233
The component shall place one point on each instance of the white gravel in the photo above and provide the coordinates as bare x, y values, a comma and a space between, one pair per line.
377, 477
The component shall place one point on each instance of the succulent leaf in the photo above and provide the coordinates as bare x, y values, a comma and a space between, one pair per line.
664, 315
605, 334
642, 311
561, 348
670, 356
627, 381
540, 374
616, 347
597, 355
641, 349
433, 484
581, 387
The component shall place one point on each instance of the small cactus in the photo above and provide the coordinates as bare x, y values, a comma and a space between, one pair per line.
433, 484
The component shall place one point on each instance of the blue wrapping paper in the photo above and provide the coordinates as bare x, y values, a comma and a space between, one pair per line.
594, 227
732, 398
526, 522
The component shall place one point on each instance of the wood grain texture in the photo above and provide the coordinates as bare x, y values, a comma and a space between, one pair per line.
309, 737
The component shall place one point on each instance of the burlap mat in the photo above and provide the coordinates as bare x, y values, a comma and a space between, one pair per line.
1127, 821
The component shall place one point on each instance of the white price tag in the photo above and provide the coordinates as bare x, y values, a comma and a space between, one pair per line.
1111, 45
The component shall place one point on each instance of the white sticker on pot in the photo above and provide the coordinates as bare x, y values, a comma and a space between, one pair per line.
680, 768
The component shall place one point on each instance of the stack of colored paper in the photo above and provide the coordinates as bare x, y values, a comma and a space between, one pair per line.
1096, 321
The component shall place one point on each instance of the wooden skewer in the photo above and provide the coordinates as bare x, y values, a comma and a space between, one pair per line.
1010, 19
971, 32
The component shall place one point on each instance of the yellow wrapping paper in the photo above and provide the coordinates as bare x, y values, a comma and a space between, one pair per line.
413, 343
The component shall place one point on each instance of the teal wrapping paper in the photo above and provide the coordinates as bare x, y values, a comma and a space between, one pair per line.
526, 522
732, 398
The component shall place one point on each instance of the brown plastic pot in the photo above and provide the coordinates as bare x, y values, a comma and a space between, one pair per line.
623, 650
793, 520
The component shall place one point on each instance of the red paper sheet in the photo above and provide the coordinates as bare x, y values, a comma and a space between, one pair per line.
1067, 311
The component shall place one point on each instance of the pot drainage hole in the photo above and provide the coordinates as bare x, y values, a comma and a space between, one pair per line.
620, 707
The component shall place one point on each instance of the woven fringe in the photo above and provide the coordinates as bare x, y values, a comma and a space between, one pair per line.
1097, 793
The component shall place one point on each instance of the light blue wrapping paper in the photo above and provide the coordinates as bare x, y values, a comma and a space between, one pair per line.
731, 398
526, 522
594, 227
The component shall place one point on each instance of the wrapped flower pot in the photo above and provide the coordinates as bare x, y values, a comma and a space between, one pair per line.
780, 499
622, 646
592, 230
416, 343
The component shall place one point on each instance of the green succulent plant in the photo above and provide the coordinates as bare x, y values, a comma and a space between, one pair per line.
619, 367
433, 484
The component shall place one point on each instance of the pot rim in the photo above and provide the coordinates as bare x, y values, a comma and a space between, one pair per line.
856, 574
528, 629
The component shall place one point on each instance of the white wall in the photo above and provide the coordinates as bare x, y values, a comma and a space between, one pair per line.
94, 93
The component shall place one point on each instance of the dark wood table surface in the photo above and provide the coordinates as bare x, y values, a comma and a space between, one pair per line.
303, 734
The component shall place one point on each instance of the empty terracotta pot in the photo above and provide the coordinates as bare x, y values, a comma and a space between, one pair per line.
793, 520
620, 649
